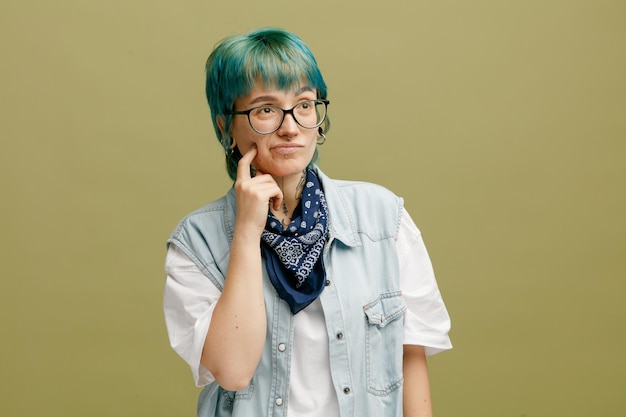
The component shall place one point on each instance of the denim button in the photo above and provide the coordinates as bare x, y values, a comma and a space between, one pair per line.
327, 282
282, 347
279, 401
346, 390
339, 335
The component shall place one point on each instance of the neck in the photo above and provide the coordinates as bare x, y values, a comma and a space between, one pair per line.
291, 187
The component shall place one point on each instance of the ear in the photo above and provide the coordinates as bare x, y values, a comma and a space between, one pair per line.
221, 123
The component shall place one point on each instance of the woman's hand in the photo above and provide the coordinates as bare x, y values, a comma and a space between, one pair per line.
254, 194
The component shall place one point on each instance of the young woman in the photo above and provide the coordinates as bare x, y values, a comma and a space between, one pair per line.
294, 294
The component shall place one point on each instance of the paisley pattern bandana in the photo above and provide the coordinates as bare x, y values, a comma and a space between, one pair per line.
294, 254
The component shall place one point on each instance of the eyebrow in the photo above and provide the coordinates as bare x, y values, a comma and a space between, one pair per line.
261, 99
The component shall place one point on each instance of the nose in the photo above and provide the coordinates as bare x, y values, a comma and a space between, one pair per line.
289, 127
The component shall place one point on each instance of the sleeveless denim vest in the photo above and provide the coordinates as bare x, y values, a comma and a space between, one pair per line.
362, 304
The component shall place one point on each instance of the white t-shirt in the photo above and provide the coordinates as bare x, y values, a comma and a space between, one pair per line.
190, 298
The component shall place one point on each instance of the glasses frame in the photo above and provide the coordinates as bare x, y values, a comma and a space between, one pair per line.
285, 112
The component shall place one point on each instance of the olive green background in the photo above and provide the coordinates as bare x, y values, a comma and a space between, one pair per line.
501, 123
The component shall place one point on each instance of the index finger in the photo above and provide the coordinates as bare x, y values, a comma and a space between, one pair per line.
243, 167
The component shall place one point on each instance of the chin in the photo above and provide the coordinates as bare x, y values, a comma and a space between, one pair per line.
287, 168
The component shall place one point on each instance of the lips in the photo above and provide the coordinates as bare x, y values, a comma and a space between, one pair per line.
286, 148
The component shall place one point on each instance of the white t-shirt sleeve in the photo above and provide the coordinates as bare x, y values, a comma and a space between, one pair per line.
188, 302
427, 322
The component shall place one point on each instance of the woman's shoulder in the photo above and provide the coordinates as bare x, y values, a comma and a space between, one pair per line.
367, 207
358, 187
213, 207
363, 192
209, 216
364, 186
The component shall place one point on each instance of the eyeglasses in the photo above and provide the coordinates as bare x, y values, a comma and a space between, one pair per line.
267, 119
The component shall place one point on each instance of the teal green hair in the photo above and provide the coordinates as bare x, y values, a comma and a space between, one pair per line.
275, 57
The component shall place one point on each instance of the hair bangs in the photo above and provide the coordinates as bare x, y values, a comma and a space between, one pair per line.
283, 70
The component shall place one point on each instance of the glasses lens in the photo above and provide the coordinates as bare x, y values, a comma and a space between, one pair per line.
265, 119
310, 113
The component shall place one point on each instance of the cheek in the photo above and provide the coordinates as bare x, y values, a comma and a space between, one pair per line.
244, 140
241, 132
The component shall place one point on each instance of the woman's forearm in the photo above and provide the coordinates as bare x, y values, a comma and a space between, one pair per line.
236, 335
416, 394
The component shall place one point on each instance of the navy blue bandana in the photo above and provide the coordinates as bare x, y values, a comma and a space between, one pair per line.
294, 254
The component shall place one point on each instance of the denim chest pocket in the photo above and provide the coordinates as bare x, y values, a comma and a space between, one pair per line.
384, 342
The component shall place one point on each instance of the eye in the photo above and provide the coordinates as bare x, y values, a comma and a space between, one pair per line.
305, 105
264, 111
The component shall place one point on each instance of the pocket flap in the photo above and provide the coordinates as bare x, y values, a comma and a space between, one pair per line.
385, 309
